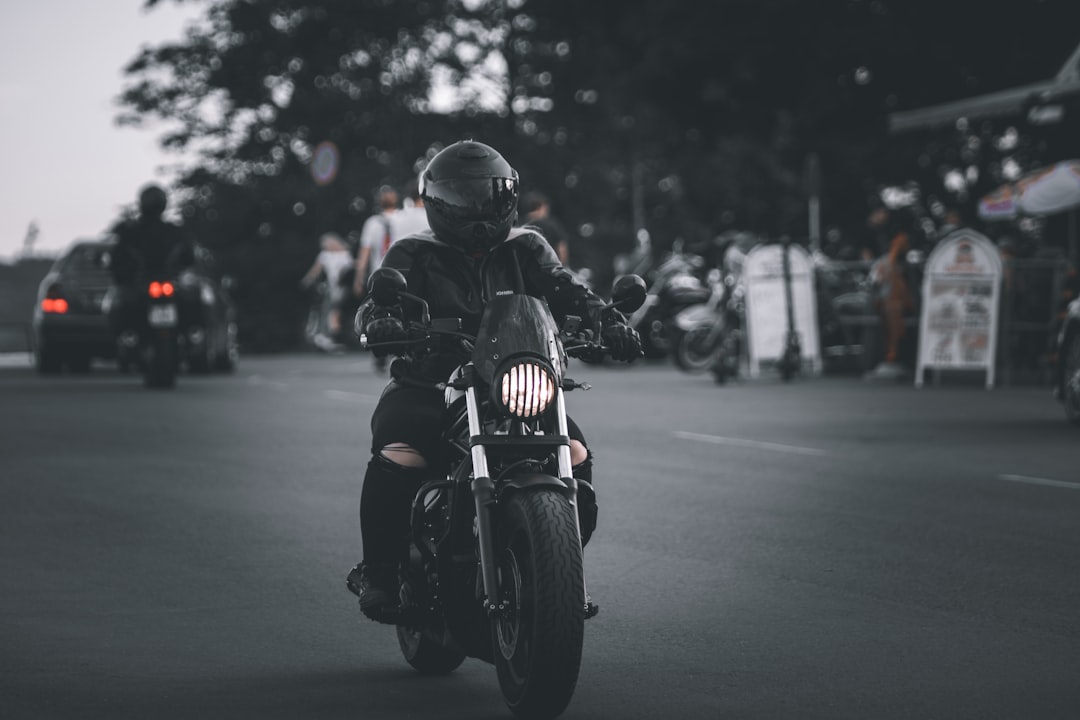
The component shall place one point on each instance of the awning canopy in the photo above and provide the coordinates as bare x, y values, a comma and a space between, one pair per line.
1013, 101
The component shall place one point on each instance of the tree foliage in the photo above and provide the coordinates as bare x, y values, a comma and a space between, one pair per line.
683, 117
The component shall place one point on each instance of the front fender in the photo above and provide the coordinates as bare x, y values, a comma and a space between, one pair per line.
526, 481
695, 316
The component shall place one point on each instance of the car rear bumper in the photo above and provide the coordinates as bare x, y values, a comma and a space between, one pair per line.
87, 334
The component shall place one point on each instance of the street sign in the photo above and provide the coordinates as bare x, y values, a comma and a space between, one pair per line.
960, 297
766, 306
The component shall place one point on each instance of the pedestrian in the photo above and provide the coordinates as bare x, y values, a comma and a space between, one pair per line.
375, 239
411, 218
333, 260
892, 297
536, 211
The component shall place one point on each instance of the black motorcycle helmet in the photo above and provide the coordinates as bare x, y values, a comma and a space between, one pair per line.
152, 202
470, 195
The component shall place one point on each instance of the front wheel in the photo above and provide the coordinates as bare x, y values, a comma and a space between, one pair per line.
539, 630
1071, 380
695, 349
160, 363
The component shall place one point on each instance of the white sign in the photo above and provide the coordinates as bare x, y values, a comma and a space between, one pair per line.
766, 305
961, 289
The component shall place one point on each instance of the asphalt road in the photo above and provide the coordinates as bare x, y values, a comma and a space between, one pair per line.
822, 549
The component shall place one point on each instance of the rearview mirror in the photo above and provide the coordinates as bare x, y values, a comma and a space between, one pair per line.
387, 285
628, 293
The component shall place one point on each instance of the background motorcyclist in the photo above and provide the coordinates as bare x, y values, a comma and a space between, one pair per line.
471, 253
147, 246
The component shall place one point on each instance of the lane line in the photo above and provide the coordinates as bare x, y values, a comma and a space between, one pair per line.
16, 360
1047, 482
349, 396
757, 444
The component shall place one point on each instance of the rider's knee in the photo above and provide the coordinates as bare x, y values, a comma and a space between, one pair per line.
404, 455
578, 452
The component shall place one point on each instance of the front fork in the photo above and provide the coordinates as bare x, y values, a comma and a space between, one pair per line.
483, 489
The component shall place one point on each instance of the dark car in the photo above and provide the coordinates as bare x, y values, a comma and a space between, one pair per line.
1067, 377
70, 326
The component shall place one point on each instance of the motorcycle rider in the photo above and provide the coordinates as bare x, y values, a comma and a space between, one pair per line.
147, 246
471, 252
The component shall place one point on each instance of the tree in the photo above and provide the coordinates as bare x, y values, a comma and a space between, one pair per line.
254, 88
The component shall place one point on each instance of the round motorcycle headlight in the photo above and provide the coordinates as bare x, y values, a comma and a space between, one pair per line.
526, 389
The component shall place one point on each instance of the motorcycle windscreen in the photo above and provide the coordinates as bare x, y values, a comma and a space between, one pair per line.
515, 325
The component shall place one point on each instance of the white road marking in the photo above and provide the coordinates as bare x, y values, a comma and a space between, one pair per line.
349, 396
16, 360
739, 442
1039, 481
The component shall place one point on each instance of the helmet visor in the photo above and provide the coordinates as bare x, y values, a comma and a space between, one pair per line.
490, 199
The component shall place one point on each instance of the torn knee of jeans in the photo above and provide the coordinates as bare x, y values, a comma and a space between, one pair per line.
579, 453
402, 455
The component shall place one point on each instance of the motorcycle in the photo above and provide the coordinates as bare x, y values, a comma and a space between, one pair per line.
845, 310
160, 340
676, 285
709, 335
495, 568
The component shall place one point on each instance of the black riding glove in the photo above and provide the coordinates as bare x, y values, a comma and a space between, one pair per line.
384, 330
622, 341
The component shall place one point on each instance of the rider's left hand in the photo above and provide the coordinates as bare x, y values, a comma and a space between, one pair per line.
622, 341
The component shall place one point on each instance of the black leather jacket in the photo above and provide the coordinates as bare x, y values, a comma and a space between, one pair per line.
456, 285
148, 249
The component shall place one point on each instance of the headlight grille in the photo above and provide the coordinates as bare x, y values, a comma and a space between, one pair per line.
527, 389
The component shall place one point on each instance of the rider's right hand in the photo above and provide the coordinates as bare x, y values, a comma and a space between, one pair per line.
384, 330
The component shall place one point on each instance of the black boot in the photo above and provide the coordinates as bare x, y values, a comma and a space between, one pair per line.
385, 515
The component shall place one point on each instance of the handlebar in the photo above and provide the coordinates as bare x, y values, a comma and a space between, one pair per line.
577, 345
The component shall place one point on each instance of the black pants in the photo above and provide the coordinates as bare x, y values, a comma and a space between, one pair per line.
413, 416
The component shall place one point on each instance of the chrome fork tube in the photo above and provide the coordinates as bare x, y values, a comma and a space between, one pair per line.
483, 490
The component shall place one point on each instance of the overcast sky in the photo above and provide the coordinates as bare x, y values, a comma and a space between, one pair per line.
65, 164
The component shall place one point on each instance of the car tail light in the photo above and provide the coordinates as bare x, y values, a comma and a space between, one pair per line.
54, 305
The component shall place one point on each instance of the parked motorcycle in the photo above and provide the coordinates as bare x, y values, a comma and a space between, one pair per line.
495, 569
845, 310
676, 285
709, 335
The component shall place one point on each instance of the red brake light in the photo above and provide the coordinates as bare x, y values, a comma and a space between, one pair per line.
167, 289
54, 305
155, 290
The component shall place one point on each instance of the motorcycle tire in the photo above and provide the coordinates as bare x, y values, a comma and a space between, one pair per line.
1070, 380
693, 351
537, 638
160, 366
